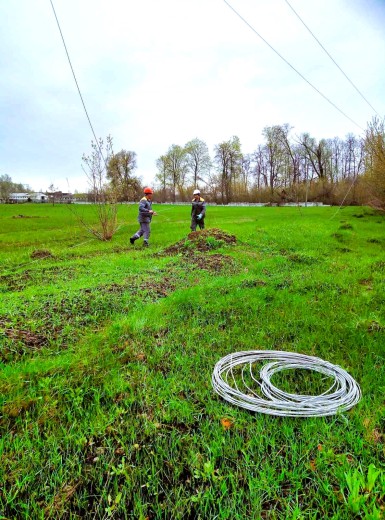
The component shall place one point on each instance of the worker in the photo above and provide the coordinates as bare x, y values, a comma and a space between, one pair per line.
144, 217
198, 211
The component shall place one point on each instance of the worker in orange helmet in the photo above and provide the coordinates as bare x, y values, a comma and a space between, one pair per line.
144, 217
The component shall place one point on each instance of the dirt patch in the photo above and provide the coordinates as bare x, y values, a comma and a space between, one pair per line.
41, 253
28, 338
18, 407
154, 288
367, 282
15, 282
203, 241
20, 281
249, 284
162, 288
24, 216
215, 263
89, 306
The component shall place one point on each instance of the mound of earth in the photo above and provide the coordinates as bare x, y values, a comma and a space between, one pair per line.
41, 253
203, 241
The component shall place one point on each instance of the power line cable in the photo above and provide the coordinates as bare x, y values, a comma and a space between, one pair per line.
343, 200
291, 66
331, 57
77, 85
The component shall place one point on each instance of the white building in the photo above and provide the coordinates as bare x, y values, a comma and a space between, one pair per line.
39, 197
19, 197
27, 197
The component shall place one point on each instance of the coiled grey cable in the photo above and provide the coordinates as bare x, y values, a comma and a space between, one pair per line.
342, 395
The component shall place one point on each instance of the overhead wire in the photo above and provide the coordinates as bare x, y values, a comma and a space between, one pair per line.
253, 29
77, 84
343, 200
331, 57
97, 143
291, 66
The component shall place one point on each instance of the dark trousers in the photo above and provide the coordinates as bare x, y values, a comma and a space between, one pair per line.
195, 223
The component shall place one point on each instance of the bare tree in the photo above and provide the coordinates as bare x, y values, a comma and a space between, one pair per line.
198, 161
176, 168
95, 167
163, 175
334, 159
245, 176
260, 168
292, 151
317, 153
353, 156
228, 158
275, 155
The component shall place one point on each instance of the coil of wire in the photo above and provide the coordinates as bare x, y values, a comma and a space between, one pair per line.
342, 395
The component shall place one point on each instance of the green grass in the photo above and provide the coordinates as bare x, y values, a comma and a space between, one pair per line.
107, 350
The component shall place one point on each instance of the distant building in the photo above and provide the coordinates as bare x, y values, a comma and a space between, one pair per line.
39, 197
59, 197
16, 198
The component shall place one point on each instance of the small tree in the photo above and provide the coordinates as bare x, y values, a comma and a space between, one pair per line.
95, 167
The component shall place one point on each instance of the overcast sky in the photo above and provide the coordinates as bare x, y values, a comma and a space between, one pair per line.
155, 73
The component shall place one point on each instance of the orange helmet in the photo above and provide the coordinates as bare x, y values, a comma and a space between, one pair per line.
148, 191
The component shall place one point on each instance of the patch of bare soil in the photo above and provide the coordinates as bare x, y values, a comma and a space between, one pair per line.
41, 253
24, 216
28, 338
202, 241
20, 281
15, 282
163, 288
215, 263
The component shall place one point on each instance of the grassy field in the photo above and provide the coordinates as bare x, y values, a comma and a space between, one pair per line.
107, 351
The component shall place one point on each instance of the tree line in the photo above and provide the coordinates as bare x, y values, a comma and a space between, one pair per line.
296, 167
282, 168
